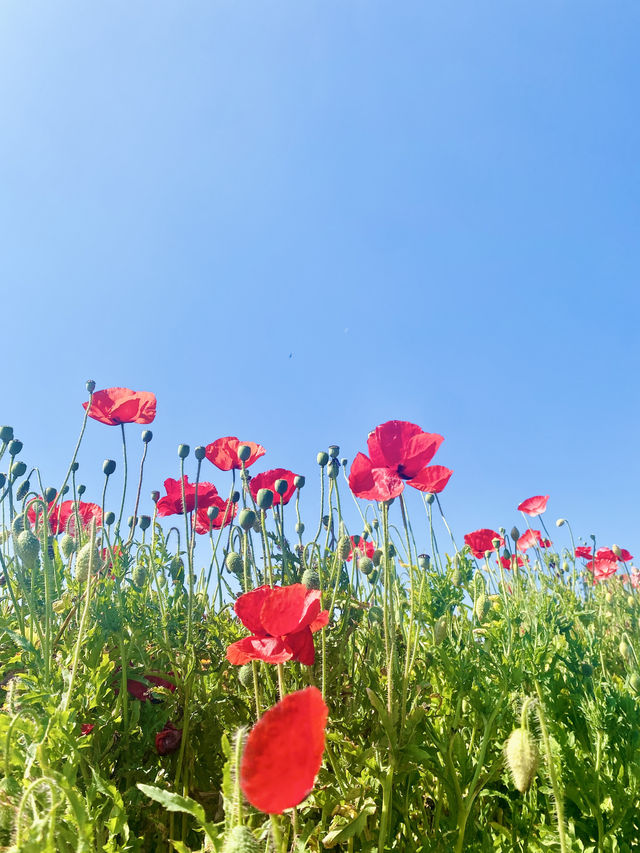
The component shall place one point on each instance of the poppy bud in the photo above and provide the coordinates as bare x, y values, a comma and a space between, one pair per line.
332, 469
28, 548
344, 461
311, 579
257, 526
155, 496
440, 630
624, 647
560, 522
131, 522
176, 569
344, 547
456, 576
482, 606
67, 545
299, 481
334, 450
322, 458
18, 470
423, 562
6, 434
183, 451
300, 528
281, 486
81, 490
235, 497
86, 559
501, 531
139, 576
241, 840
17, 525
515, 534
91, 386
245, 675
109, 518
233, 563
147, 435
375, 614
50, 494
264, 499
377, 556
23, 490
365, 564
212, 512
200, 452
617, 551
521, 755
244, 452
145, 522
634, 682
108, 467
246, 519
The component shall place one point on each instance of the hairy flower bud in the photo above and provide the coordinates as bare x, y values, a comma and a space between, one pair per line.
139, 576
311, 579
245, 675
482, 607
28, 548
365, 564
634, 682
81, 490
300, 528
521, 754
233, 563
67, 545
344, 547
87, 559
108, 467
377, 557
23, 490
235, 497
241, 840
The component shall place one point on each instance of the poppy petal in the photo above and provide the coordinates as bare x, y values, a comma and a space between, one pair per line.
267, 649
431, 479
321, 621
248, 607
387, 444
283, 609
534, 506
284, 752
301, 646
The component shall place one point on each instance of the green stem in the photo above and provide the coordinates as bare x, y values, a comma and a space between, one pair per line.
555, 785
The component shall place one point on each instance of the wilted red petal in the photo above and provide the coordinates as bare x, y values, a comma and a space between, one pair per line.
535, 505
223, 453
482, 540
267, 649
113, 406
284, 608
248, 607
86, 728
160, 682
284, 752
137, 689
431, 479
168, 740
267, 480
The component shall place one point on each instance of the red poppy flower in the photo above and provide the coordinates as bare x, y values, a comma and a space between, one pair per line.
399, 452
535, 505
531, 538
366, 548
226, 513
144, 692
168, 740
284, 752
267, 480
62, 517
510, 562
584, 552
608, 554
482, 540
86, 728
602, 568
223, 453
282, 620
115, 406
171, 504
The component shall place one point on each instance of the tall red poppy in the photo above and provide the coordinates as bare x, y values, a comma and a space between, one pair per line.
363, 546
171, 503
281, 620
283, 753
63, 517
399, 452
114, 406
481, 541
226, 513
223, 453
267, 480
531, 538
535, 505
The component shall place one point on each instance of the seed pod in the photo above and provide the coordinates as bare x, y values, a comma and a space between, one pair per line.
15, 447
281, 486
521, 754
424, 560
6, 434
67, 545
139, 576
108, 467
311, 579
18, 470
246, 519
245, 675
377, 556
334, 451
147, 435
322, 458
233, 563
200, 452
183, 451
28, 548
86, 559
241, 840
50, 494
333, 468
299, 481
365, 564
264, 499
344, 547
145, 522
109, 518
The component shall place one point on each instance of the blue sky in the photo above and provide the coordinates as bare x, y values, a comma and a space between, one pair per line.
293, 221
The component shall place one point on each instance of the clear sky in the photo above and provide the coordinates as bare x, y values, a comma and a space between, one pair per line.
296, 219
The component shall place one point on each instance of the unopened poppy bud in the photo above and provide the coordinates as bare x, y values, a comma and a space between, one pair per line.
247, 519
377, 556
624, 647
456, 576
515, 534
155, 496
200, 452
109, 518
139, 576
482, 606
87, 559
429, 498
244, 452
299, 481
108, 467
440, 630
23, 490
565, 566
617, 551
6, 434
91, 386
521, 755
634, 682
17, 525
241, 840
281, 486
147, 435
65, 491
50, 494
264, 499
67, 545
375, 523
18, 470
322, 458
81, 490
332, 469
183, 451
144, 521
245, 675
233, 562
176, 568
131, 521
311, 579
423, 561
28, 548
560, 522
501, 531
334, 450
375, 614
235, 497
212, 512
344, 547
365, 564
300, 528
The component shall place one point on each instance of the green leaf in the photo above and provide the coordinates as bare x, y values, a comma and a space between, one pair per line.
174, 802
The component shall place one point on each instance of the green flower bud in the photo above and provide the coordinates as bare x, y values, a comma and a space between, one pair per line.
634, 682
281, 486
456, 576
624, 648
75, 466
17, 525
155, 496
176, 569
108, 467
81, 490
375, 614
28, 548
235, 497
365, 565
247, 519
139, 576
560, 522
617, 551
87, 559
344, 547
521, 754
245, 675
109, 518
233, 563
183, 450
300, 528
241, 840
145, 522
311, 579
131, 522
146, 436
264, 500
373, 577
67, 545
322, 458
377, 557
299, 481
482, 607
565, 566
440, 630
515, 534
244, 453
6, 434
3, 480
91, 386
200, 452
50, 494
23, 490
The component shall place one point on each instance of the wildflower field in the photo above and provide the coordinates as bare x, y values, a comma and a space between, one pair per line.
227, 674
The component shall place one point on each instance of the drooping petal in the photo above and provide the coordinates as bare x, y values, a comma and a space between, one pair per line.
431, 479
534, 506
284, 752
267, 649
301, 646
321, 621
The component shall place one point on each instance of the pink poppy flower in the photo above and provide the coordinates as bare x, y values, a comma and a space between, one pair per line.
535, 505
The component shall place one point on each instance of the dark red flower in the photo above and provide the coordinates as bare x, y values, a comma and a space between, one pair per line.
399, 452
115, 406
86, 729
366, 548
171, 504
284, 752
584, 552
531, 538
226, 513
168, 740
481, 541
267, 480
144, 692
535, 505
281, 620
223, 453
